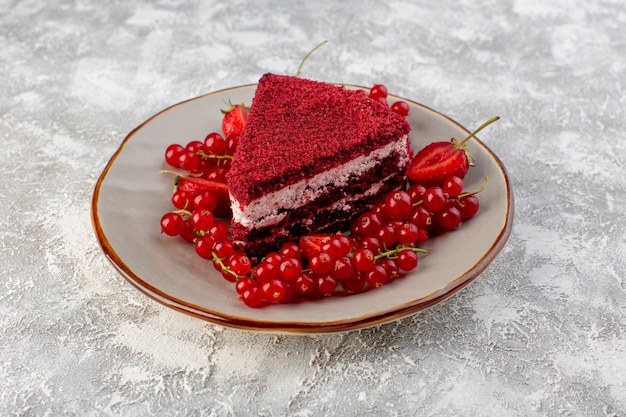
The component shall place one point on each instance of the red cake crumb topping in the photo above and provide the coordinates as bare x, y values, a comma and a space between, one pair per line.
298, 128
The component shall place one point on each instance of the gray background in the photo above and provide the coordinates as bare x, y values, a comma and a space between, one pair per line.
541, 332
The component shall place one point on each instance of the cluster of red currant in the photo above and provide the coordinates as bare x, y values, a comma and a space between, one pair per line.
379, 93
210, 159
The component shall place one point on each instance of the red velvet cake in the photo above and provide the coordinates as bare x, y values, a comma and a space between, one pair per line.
311, 157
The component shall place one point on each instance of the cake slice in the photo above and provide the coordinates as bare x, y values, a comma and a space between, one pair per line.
311, 157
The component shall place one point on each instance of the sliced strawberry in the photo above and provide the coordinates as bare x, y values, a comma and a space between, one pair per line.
234, 119
193, 185
440, 160
437, 162
311, 244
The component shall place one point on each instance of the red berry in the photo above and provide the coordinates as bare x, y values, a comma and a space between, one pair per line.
407, 233
333, 247
468, 206
204, 246
378, 90
244, 284
215, 143
363, 259
407, 260
204, 200
181, 199
274, 258
290, 250
219, 230
387, 236
434, 199
321, 263
449, 218
290, 269
266, 271
401, 108
188, 160
239, 263
172, 153
326, 284
377, 276
172, 224
274, 290
195, 146
342, 268
304, 284
223, 248
367, 224
234, 119
416, 192
398, 204
252, 297
453, 186
370, 243
421, 217
354, 285
202, 219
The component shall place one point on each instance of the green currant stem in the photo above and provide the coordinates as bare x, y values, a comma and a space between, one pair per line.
481, 127
210, 155
392, 253
481, 188
223, 266
307, 57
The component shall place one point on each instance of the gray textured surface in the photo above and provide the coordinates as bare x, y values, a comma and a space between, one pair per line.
541, 332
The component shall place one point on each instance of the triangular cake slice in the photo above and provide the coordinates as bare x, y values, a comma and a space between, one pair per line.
311, 157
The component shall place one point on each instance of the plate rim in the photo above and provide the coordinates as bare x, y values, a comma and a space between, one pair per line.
371, 319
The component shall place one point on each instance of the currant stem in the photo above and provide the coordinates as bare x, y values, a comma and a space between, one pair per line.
308, 55
224, 267
481, 188
210, 155
481, 127
390, 253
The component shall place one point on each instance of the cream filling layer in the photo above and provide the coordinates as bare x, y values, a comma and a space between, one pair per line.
263, 212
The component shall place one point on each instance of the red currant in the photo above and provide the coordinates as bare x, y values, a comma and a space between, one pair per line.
378, 90
214, 143
407, 260
434, 199
449, 218
274, 290
290, 269
204, 246
172, 154
266, 271
321, 263
252, 297
453, 186
342, 268
376, 277
401, 108
202, 219
398, 204
172, 224
364, 259
468, 206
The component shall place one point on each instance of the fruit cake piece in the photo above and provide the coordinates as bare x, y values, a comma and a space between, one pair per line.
312, 156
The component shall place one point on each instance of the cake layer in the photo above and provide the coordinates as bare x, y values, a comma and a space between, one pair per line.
314, 219
339, 204
270, 208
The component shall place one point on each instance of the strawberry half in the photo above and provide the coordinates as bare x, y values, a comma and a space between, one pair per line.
193, 185
234, 119
311, 244
439, 161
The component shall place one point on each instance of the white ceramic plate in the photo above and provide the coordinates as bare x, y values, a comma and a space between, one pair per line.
131, 196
